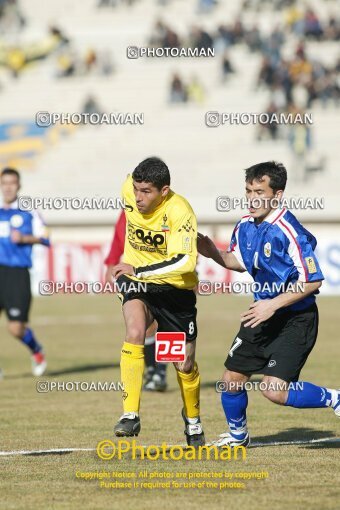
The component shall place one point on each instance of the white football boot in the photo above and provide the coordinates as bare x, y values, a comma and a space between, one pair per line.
226, 439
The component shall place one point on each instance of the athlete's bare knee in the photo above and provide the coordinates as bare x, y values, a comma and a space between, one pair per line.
186, 367
232, 381
135, 335
16, 329
274, 389
278, 397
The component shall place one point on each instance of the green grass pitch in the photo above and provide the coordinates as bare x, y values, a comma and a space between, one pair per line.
82, 337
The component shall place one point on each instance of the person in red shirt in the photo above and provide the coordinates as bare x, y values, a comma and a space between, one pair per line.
155, 375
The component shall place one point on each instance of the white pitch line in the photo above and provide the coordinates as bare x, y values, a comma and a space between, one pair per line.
298, 441
53, 450
252, 445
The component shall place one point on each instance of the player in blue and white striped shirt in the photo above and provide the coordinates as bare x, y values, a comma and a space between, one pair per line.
280, 328
19, 231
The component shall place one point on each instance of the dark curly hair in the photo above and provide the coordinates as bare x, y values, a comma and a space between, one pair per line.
152, 170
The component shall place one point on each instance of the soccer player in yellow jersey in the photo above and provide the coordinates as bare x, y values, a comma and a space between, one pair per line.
161, 251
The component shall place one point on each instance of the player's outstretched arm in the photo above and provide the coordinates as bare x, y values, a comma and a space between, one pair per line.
262, 310
207, 248
291, 297
19, 238
39, 233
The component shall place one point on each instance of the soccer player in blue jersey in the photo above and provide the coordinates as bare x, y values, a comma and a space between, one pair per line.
19, 231
280, 328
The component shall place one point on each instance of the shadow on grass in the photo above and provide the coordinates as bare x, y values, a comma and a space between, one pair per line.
212, 384
332, 443
208, 384
295, 434
41, 454
84, 368
71, 370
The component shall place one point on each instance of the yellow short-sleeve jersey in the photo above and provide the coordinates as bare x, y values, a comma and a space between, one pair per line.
161, 246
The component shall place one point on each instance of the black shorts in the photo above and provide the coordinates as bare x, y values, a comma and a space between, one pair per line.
279, 347
15, 292
174, 309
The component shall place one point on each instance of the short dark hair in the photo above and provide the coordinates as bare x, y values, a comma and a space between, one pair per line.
275, 171
10, 171
152, 170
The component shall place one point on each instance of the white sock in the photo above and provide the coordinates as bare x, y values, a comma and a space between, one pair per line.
129, 416
335, 396
193, 421
149, 340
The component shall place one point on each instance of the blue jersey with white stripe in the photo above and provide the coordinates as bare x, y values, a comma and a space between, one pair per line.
276, 253
27, 223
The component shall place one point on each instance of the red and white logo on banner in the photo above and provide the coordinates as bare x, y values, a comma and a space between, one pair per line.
170, 346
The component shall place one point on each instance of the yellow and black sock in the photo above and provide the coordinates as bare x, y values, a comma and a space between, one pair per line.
131, 370
190, 390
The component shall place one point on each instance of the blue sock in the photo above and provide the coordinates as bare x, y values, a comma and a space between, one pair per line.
304, 395
234, 406
30, 341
